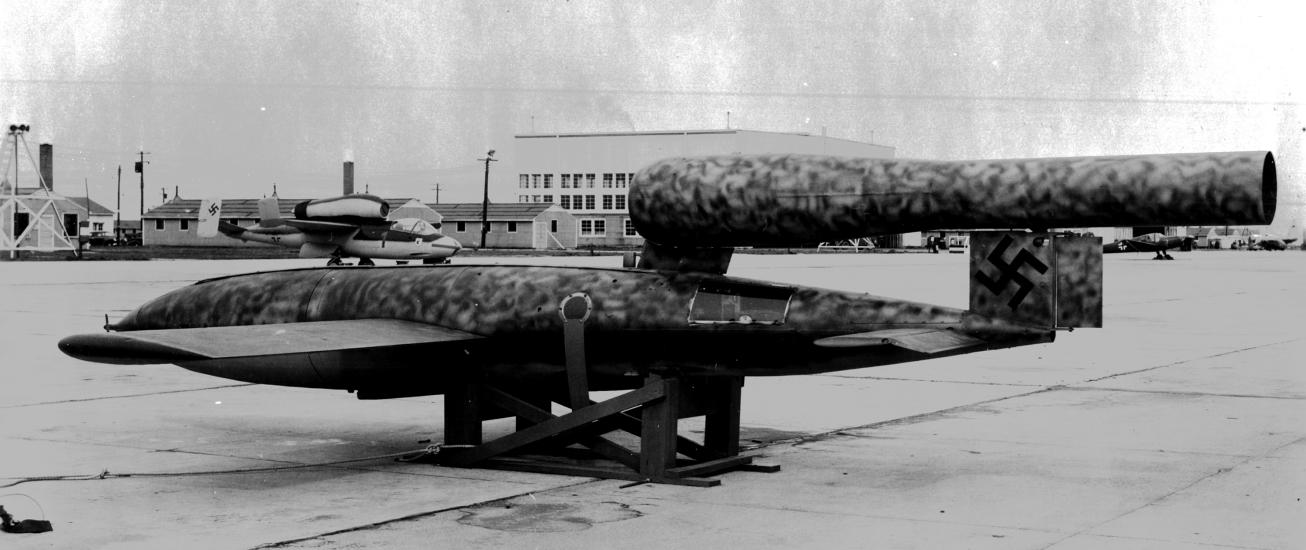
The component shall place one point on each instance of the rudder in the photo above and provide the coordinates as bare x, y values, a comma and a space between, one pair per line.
1037, 279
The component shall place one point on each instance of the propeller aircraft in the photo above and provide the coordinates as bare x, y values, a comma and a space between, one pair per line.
1151, 242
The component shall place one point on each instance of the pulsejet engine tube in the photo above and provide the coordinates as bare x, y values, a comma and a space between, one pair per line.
779, 200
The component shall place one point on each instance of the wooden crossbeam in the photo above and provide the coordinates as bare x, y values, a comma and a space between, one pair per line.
651, 412
556, 425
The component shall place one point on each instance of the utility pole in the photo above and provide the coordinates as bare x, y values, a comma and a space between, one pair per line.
16, 131
437, 193
485, 201
117, 223
140, 169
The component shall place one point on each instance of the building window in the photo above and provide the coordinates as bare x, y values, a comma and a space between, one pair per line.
589, 202
630, 229
97, 226
595, 227
630, 178
548, 181
621, 181
185, 225
589, 181
158, 225
621, 202
523, 181
607, 202
553, 226
535, 198
607, 181
565, 202
512, 227
462, 226
523, 198
566, 181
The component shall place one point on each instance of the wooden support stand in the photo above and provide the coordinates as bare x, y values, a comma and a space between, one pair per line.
651, 412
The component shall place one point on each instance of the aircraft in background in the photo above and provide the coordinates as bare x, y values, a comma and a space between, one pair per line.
1151, 242
1270, 242
349, 225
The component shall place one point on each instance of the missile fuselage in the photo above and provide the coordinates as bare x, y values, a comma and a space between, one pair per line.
641, 320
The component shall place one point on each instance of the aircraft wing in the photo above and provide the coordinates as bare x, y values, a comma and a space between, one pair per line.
144, 347
923, 340
315, 226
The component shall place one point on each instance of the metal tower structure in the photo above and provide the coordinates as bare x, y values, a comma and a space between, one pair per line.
29, 221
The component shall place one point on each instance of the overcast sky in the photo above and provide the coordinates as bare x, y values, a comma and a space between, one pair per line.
229, 97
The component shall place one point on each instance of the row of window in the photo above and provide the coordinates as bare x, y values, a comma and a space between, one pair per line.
579, 202
589, 227
574, 181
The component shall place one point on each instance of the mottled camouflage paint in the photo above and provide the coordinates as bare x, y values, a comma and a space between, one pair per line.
771, 200
1079, 282
640, 319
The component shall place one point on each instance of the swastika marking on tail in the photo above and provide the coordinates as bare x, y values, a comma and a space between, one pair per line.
1010, 271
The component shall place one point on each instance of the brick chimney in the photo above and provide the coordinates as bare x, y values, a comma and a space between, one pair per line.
47, 165
349, 177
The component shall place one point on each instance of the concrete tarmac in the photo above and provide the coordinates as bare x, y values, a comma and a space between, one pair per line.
1181, 424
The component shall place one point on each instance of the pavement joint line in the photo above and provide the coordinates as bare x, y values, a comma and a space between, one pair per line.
21, 405
896, 421
343, 464
1187, 393
97, 283
1182, 361
1146, 539
418, 515
1219, 471
857, 515
905, 379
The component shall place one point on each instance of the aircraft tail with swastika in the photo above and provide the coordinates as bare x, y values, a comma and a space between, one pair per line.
1037, 279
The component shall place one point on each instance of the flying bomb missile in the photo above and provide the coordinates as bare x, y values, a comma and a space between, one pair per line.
408, 330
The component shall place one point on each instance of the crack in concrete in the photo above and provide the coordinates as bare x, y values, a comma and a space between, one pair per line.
415, 516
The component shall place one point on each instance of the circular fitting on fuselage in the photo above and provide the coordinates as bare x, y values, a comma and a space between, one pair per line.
576, 307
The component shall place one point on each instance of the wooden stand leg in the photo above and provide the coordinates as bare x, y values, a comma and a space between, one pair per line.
657, 438
462, 414
721, 425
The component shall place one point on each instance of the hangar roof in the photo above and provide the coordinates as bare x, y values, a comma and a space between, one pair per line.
471, 211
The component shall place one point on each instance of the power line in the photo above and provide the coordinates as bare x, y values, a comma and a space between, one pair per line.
666, 92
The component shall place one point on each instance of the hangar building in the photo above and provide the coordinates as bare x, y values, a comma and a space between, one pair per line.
588, 175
